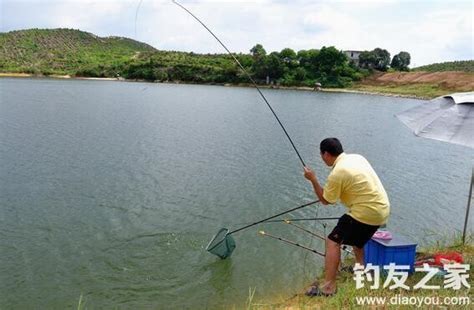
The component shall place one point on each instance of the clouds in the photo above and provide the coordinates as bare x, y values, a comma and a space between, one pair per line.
88, 14
452, 35
431, 31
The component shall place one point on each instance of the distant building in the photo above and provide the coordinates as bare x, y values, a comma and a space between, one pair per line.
353, 56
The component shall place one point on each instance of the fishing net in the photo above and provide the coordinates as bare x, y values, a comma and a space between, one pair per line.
222, 244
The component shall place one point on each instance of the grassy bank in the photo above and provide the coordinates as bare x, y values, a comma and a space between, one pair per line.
422, 91
347, 292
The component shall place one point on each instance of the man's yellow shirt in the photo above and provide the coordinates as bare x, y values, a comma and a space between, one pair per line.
354, 182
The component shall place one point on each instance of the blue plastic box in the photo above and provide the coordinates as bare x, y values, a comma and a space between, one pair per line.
397, 250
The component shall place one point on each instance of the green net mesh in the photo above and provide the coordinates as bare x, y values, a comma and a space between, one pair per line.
222, 244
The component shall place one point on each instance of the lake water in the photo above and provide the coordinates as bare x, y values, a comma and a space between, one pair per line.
111, 190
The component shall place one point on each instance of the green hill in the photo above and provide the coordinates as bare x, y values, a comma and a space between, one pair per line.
464, 65
65, 51
78, 53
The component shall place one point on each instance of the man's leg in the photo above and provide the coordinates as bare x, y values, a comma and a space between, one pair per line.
359, 255
333, 257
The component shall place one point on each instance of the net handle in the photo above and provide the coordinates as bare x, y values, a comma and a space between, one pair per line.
271, 217
305, 219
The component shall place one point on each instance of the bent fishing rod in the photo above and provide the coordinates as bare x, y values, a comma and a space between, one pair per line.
248, 75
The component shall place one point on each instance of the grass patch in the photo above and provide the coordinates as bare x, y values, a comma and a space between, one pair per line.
421, 90
81, 303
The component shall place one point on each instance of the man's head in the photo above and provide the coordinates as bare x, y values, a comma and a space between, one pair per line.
330, 149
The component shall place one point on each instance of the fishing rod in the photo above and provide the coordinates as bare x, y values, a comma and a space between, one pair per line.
248, 75
263, 233
344, 247
305, 230
304, 219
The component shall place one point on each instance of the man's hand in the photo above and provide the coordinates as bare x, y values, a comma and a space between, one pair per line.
309, 174
318, 190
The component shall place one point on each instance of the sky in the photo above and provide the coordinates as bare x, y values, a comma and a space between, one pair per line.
431, 31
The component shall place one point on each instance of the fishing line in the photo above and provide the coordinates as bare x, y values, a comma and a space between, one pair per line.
248, 75
136, 16
343, 247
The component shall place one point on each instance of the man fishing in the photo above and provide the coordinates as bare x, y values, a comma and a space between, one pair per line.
354, 182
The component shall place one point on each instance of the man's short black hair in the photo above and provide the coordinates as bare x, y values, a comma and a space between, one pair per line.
331, 145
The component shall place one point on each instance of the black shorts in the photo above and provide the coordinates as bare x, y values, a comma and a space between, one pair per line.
352, 232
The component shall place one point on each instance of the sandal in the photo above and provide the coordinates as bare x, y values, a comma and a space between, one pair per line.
311, 287
314, 290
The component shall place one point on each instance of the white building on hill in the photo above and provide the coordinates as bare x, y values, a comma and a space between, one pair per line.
353, 56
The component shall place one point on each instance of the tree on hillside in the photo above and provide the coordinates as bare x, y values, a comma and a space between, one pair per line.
244, 59
329, 59
288, 54
275, 67
382, 59
308, 61
401, 61
367, 60
258, 51
259, 66
300, 74
332, 67
303, 57
377, 59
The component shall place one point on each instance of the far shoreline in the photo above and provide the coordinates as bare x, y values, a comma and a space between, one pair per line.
299, 88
